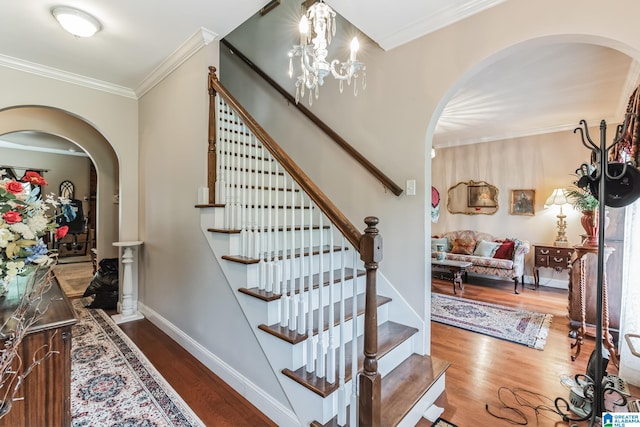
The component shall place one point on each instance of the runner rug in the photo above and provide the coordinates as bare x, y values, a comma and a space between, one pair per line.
519, 326
113, 383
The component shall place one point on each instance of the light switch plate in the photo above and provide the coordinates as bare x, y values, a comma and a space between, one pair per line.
410, 187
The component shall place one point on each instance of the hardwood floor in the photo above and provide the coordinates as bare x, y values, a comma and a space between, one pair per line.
480, 366
211, 399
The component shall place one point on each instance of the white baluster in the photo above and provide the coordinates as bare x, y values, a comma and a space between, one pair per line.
244, 234
331, 352
219, 159
311, 339
320, 367
301, 310
293, 311
284, 318
342, 392
353, 408
270, 230
128, 303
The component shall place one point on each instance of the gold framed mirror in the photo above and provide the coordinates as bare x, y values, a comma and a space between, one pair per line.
472, 198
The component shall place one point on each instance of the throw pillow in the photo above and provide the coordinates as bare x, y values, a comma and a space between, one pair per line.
485, 248
463, 246
505, 250
444, 241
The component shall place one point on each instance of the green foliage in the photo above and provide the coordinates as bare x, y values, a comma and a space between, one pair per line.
582, 200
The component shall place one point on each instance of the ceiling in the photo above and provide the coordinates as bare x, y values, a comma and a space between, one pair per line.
528, 92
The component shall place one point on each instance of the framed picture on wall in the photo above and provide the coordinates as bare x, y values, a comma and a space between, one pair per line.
481, 196
523, 202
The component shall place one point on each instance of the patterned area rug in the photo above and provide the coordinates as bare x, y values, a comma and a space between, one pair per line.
515, 325
113, 383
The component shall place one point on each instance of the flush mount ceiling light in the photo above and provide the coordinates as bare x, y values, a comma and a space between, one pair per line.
75, 21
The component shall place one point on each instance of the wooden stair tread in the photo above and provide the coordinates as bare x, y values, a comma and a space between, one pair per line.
272, 296
210, 205
315, 251
403, 387
390, 335
293, 337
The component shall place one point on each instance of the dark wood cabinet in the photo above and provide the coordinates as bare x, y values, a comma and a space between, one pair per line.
549, 256
44, 399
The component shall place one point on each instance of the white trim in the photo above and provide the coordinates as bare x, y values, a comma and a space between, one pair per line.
200, 38
65, 76
273, 409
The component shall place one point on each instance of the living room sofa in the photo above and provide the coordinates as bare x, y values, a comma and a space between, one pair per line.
490, 255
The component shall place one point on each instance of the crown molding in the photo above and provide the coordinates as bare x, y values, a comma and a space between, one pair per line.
65, 76
432, 23
193, 44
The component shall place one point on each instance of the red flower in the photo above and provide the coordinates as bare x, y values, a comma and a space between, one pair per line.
34, 178
61, 232
12, 217
13, 187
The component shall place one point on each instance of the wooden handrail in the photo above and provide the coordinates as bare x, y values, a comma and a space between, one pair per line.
377, 173
341, 222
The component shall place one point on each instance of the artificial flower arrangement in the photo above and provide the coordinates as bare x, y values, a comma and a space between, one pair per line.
24, 219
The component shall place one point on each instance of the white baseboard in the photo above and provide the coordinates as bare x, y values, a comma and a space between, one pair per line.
273, 409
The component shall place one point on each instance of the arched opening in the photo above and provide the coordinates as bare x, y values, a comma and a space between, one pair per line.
67, 126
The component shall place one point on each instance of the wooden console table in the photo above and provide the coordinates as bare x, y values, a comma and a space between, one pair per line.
550, 256
45, 395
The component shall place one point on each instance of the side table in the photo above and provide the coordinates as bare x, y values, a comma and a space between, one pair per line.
550, 256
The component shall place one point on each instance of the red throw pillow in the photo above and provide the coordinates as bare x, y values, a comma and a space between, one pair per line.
463, 246
505, 250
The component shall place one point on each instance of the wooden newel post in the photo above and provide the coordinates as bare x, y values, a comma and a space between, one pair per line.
370, 380
211, 150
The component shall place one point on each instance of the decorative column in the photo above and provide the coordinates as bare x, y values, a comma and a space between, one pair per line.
127, 306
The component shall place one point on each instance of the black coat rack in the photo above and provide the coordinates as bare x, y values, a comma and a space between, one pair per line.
595, 389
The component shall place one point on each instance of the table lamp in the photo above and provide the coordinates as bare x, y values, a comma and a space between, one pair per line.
559, 198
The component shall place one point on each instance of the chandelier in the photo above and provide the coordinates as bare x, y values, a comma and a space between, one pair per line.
317, 27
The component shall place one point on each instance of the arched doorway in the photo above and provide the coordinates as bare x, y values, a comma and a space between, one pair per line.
68, 126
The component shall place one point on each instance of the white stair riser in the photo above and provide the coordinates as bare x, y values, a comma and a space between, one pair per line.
237, 216
273, 308
268, 244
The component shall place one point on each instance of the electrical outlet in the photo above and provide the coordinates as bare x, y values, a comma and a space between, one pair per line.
410, 187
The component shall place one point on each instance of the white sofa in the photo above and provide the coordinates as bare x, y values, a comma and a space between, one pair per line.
504, 260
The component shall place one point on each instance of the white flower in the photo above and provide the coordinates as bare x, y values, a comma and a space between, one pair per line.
24, 230
37, 223
6, 236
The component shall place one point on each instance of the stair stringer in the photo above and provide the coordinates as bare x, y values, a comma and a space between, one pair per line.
307, 405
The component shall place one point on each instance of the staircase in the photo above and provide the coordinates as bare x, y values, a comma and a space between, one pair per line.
307, 281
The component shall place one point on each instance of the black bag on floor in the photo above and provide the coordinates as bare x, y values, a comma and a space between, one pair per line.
104, 285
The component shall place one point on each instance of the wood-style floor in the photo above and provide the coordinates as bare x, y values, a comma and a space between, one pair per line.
481, 366
484, 368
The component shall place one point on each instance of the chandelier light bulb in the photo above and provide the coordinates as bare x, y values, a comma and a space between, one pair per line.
355, 45
76, 22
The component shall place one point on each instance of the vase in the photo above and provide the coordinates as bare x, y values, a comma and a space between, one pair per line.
440, 254
589, 221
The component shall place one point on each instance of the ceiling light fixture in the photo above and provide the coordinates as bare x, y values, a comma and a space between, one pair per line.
317, 27
75, 21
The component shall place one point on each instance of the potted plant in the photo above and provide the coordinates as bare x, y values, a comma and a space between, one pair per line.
582, 200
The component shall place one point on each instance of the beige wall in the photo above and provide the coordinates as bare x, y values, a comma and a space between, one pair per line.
182, 281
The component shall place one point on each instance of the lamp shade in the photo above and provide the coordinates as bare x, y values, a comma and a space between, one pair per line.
558, 197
